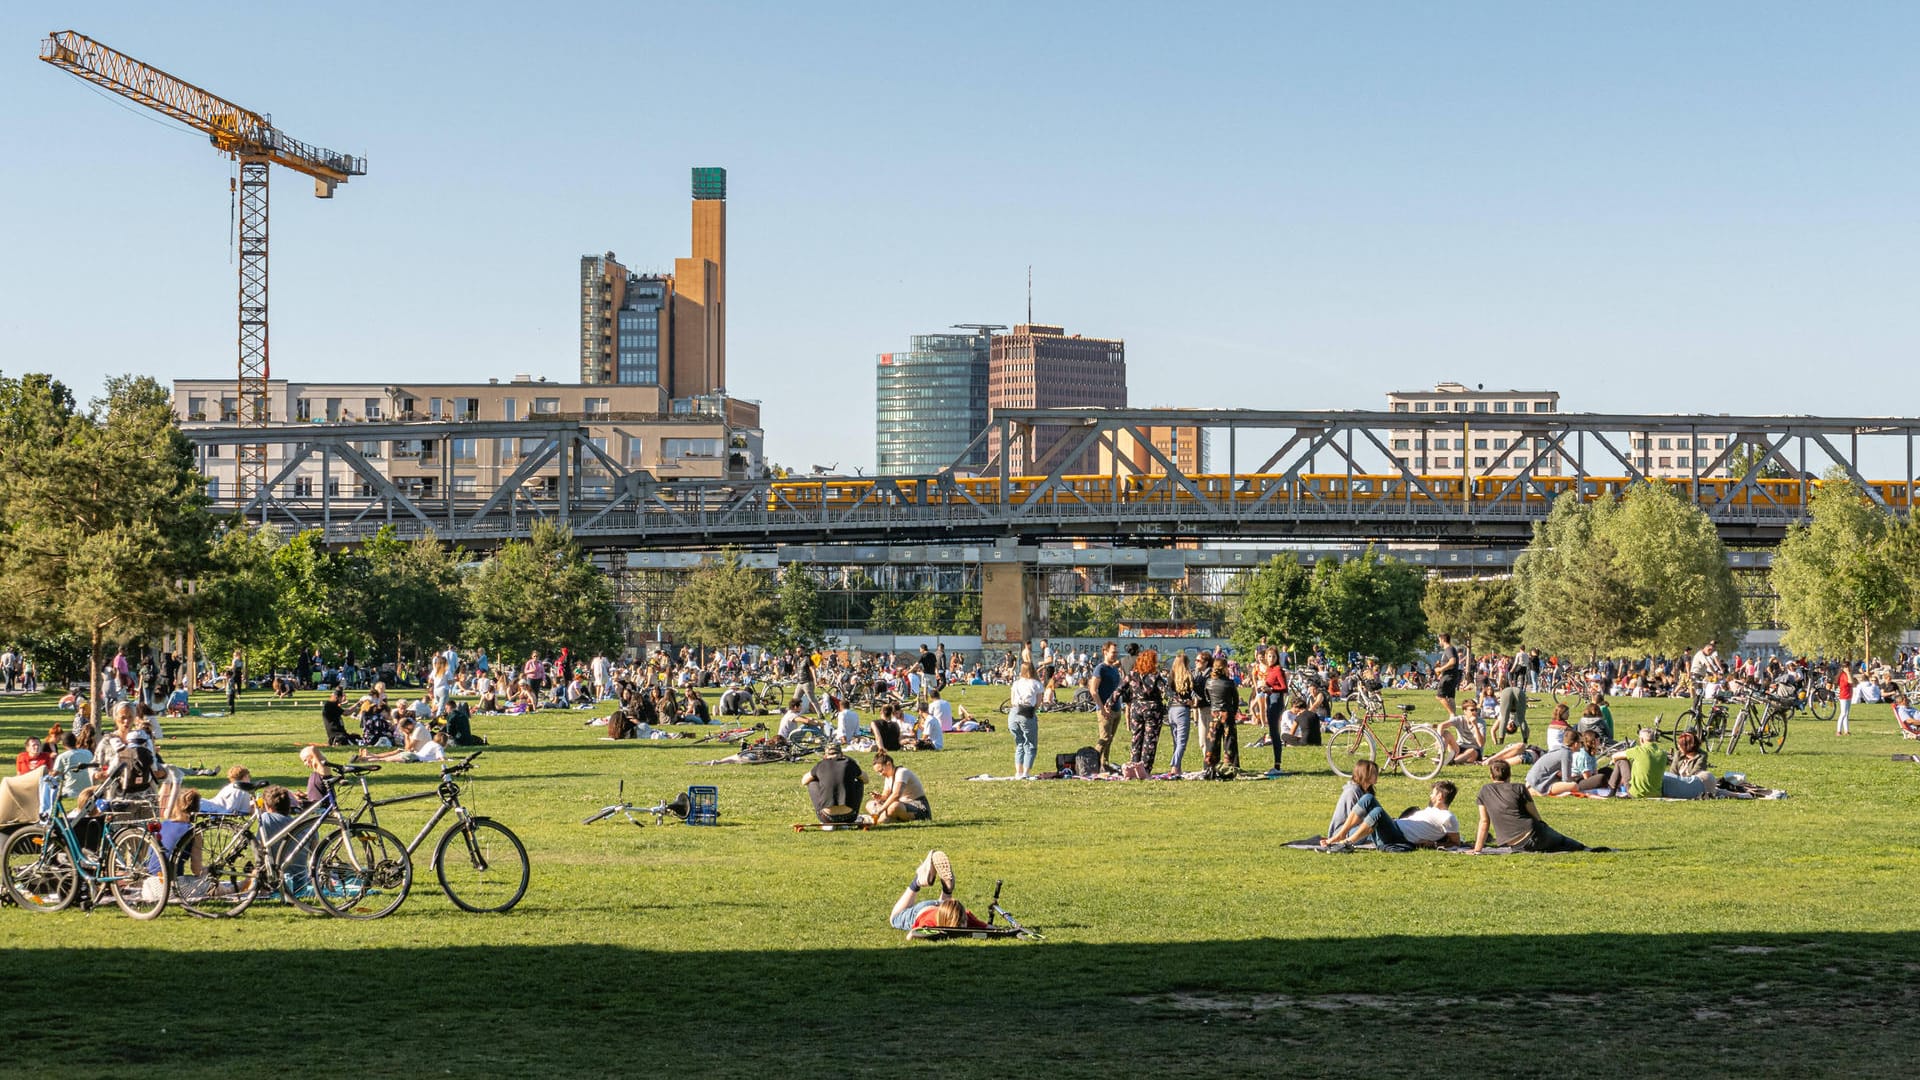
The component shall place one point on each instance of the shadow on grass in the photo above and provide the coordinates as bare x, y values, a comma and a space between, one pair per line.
1644, 1004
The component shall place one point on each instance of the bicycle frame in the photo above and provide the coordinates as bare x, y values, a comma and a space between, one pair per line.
89, 867
449, 804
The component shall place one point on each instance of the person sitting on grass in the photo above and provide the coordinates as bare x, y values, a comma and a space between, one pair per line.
696, 710
1554, 774
846, 722
1688, 776
333, 716
35, 756
736, 701
791, 720
1367, 820
316, 763
836, 786
232, 799
1637, 771
1508, 814
903, 798
910, 912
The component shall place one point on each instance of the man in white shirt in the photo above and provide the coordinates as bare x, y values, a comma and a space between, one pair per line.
1432, 824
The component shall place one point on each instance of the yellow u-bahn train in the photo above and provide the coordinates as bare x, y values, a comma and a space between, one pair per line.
845, 493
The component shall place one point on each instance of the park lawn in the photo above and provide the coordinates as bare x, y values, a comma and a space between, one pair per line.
1773, 938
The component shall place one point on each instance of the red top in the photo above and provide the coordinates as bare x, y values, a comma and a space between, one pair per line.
1277, 679
931, 917
1843, 685
28, 762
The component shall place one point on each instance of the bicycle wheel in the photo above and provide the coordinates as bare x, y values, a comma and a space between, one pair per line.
361, 872
1772, 735
1824, 704
482, 866
1687, 721
1731, 742
231, 862
39, 871
807, 738
1348, 747
1420, 753
137, 873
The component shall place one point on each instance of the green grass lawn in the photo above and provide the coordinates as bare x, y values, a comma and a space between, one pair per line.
1772, 938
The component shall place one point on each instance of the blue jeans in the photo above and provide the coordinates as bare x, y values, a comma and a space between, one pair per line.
1026, 740
1386, 832
1180, 719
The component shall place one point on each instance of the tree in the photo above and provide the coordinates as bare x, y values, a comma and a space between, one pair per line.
1275, 606
315, 603
1370, 606
1644, 573
799, 625
408, 593
238, 599
544, 593
964, 618
104, 515
1572, 599
1480, 611
1669, 558
725, 603
924, 613
1846, 580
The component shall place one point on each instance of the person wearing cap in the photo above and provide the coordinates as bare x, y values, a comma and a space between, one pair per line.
836, 786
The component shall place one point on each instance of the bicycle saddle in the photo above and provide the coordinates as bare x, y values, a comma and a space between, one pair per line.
1407, 708
350, 770
252, 785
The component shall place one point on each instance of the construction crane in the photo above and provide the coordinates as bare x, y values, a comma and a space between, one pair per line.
249, 138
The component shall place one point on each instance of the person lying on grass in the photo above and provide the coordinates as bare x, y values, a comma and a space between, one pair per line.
903, 798
1508, 814
910, 912
1429, 826
434, 748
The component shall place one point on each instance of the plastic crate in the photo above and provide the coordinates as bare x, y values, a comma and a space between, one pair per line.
703, 805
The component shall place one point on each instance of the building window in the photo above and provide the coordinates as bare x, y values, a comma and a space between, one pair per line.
1399, 406
1499, 444
511, 408
1419, 406
464, 485
1499, 406
1459, 406
1666, 463
372, 409
596, 406
303, 409
465, 451
1666, 444
433, 408
1479, 406
1519, 406
302, 487
634, 444
1479, 444
546, 406
196, 408
1479, 463
1399, 444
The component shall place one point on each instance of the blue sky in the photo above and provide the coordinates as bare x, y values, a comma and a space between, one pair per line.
1669, 207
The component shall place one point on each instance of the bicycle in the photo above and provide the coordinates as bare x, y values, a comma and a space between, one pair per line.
46, 865
1762, 719
1418, 749
350, 871
1709, 725
1821, 699
676, 807
490, 861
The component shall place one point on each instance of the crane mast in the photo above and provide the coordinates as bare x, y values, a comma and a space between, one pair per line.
250, 139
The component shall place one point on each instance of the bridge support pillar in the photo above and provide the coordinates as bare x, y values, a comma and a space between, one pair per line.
1009, 605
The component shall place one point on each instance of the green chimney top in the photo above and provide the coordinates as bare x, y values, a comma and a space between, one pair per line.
709, 182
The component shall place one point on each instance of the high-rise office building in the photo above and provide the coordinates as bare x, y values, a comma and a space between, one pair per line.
1041, 367
930, 402
1184, 446
666, 330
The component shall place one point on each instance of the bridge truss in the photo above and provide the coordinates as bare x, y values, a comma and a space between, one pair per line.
1285, 475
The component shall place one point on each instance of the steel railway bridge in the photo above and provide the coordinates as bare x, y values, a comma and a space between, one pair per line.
1288, 476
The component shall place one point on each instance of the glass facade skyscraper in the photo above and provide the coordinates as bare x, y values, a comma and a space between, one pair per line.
638, 329
930, 402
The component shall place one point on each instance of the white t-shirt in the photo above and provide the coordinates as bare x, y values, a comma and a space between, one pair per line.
1428, 825
1026, 692
433, 751
930, 731
907, 784
941, 710
790, 720
849, 725
229, 800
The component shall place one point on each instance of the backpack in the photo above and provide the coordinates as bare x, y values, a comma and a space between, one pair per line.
1086, 762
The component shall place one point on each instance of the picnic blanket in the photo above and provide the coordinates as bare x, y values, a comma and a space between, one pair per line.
1312, 843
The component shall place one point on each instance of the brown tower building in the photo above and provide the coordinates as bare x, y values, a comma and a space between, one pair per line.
1040, 367
668, 330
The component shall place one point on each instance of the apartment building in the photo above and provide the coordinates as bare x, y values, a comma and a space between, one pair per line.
709, 437
1483, 433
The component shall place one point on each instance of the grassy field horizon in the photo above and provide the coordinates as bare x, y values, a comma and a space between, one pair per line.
1772, 937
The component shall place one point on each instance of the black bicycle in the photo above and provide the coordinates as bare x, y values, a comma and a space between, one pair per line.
481, 864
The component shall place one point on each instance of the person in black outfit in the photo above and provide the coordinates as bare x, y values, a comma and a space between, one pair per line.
836, 786
333, 718
1223, 713
236, 671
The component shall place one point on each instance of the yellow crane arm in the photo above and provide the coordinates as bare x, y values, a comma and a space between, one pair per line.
234, 130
